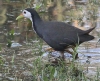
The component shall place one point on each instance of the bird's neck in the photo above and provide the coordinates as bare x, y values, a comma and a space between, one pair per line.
36, 20
36, 23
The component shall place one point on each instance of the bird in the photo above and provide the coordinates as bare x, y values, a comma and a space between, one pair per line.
58, 35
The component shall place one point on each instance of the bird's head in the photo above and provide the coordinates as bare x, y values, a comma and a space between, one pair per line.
31, 15
27, 13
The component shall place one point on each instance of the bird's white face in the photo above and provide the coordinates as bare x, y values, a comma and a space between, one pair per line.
27, 14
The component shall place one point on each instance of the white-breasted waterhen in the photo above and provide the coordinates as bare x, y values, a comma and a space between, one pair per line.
58, 35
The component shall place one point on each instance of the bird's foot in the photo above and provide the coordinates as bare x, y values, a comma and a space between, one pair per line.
50, 49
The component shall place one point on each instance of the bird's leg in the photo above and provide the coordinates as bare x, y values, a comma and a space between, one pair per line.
62, 53
49, 49
69, 51
73, 47
76, 54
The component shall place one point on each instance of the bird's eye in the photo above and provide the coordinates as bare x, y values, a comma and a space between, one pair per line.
24, 12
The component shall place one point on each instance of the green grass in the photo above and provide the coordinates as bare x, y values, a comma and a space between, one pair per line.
59, 72
47, 71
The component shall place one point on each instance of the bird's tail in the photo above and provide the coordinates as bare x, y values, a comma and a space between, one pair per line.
86, 36
89, 30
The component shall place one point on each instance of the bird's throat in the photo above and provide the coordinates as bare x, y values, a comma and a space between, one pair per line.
32, 24
35, 24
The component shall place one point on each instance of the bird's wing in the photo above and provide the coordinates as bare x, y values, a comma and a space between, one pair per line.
62, 34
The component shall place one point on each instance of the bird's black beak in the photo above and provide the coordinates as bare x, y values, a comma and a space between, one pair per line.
20, 17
